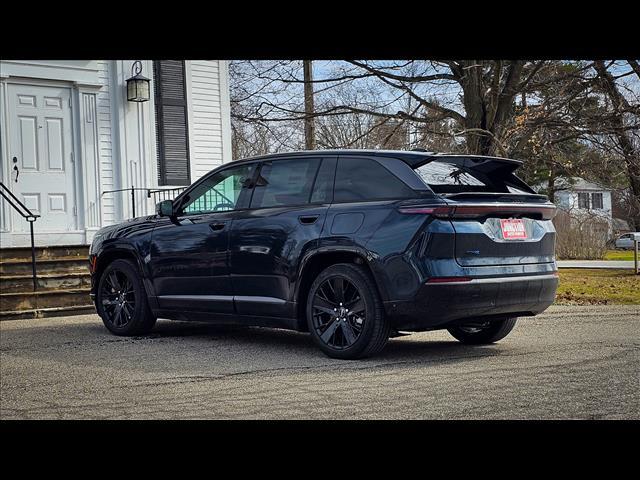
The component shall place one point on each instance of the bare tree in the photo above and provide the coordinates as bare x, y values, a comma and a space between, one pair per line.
563, 117
628, 140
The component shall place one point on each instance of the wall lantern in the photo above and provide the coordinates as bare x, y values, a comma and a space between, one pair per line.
137, 85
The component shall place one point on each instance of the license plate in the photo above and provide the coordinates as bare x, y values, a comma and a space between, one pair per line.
513, 229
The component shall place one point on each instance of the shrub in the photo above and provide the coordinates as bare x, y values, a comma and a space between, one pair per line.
580, 236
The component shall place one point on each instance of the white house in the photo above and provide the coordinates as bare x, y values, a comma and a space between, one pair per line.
585, 202
582, 197
68, 134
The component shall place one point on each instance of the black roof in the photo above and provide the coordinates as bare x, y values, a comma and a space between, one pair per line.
413, 158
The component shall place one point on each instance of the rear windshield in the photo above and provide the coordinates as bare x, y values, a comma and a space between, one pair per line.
445, 177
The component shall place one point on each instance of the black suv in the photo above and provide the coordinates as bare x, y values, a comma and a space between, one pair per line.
353, 246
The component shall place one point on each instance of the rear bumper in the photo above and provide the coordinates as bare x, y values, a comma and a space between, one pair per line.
437, 305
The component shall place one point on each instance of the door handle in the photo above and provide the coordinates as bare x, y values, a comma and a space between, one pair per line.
308, 219
15, 167
216, 226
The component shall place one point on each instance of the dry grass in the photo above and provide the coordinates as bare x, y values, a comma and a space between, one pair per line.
598, 286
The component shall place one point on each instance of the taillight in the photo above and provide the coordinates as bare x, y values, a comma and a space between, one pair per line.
475, 211
435, 211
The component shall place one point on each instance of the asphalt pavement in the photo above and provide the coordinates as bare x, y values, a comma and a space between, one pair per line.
572, 362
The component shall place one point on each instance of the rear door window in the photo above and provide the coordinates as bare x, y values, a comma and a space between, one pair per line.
283, 183
362, 179
323, 186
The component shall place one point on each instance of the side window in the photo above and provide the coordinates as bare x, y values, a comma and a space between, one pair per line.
323, 188
218, 193
361, 179
284, 183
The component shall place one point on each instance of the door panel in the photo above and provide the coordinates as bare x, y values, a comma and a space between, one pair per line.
265, 247
189, 252
268, 240
40, 141
189, 263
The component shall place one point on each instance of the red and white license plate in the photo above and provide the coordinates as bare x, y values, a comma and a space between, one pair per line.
513, 229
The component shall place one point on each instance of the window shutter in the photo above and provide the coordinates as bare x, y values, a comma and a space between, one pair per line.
172, 134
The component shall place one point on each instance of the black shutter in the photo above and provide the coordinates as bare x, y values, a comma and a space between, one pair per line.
172, 135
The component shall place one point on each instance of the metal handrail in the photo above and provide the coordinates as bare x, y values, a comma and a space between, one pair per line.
164, 193
29, 216
149, 191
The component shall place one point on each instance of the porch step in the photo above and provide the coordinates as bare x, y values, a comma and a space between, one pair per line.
45, 281
42, 253
48, 312
44, 299
61, 264
62, 279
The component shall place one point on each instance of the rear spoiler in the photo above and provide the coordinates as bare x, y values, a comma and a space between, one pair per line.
480, 165
476, 163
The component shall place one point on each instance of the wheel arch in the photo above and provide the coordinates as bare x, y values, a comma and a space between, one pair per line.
117, 252
314, 262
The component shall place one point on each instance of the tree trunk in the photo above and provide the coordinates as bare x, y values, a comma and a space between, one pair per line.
309, 125
489, 103
551, 183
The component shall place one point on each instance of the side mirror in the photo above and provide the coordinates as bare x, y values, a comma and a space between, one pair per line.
165, 208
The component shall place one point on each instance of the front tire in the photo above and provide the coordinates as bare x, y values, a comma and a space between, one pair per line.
345, 314
121, 300
482, 335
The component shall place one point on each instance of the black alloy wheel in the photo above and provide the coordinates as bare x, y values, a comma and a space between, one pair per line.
345, 314
338, 312
121, 300
118, 298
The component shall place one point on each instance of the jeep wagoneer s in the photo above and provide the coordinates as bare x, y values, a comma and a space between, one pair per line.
352, 246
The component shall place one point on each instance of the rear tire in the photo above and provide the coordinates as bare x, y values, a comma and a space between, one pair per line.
121, 300
493, 332
351, 324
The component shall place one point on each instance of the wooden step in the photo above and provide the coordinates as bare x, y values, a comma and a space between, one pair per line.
44, 299
45, 266
42, 253
44, 281
48, 312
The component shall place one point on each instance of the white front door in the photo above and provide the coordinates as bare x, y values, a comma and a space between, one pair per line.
40, 156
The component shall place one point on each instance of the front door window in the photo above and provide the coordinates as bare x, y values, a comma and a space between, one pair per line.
218, 193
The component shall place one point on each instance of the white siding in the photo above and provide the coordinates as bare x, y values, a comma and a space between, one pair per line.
205, 129
105, 142
121, 149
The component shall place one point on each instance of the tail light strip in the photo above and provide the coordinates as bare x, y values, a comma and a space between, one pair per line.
547, 212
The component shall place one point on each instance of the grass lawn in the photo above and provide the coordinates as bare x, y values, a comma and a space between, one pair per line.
619, 255
598, 286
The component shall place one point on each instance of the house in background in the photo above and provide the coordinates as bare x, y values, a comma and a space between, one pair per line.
585, 202
582, 197
68, 135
